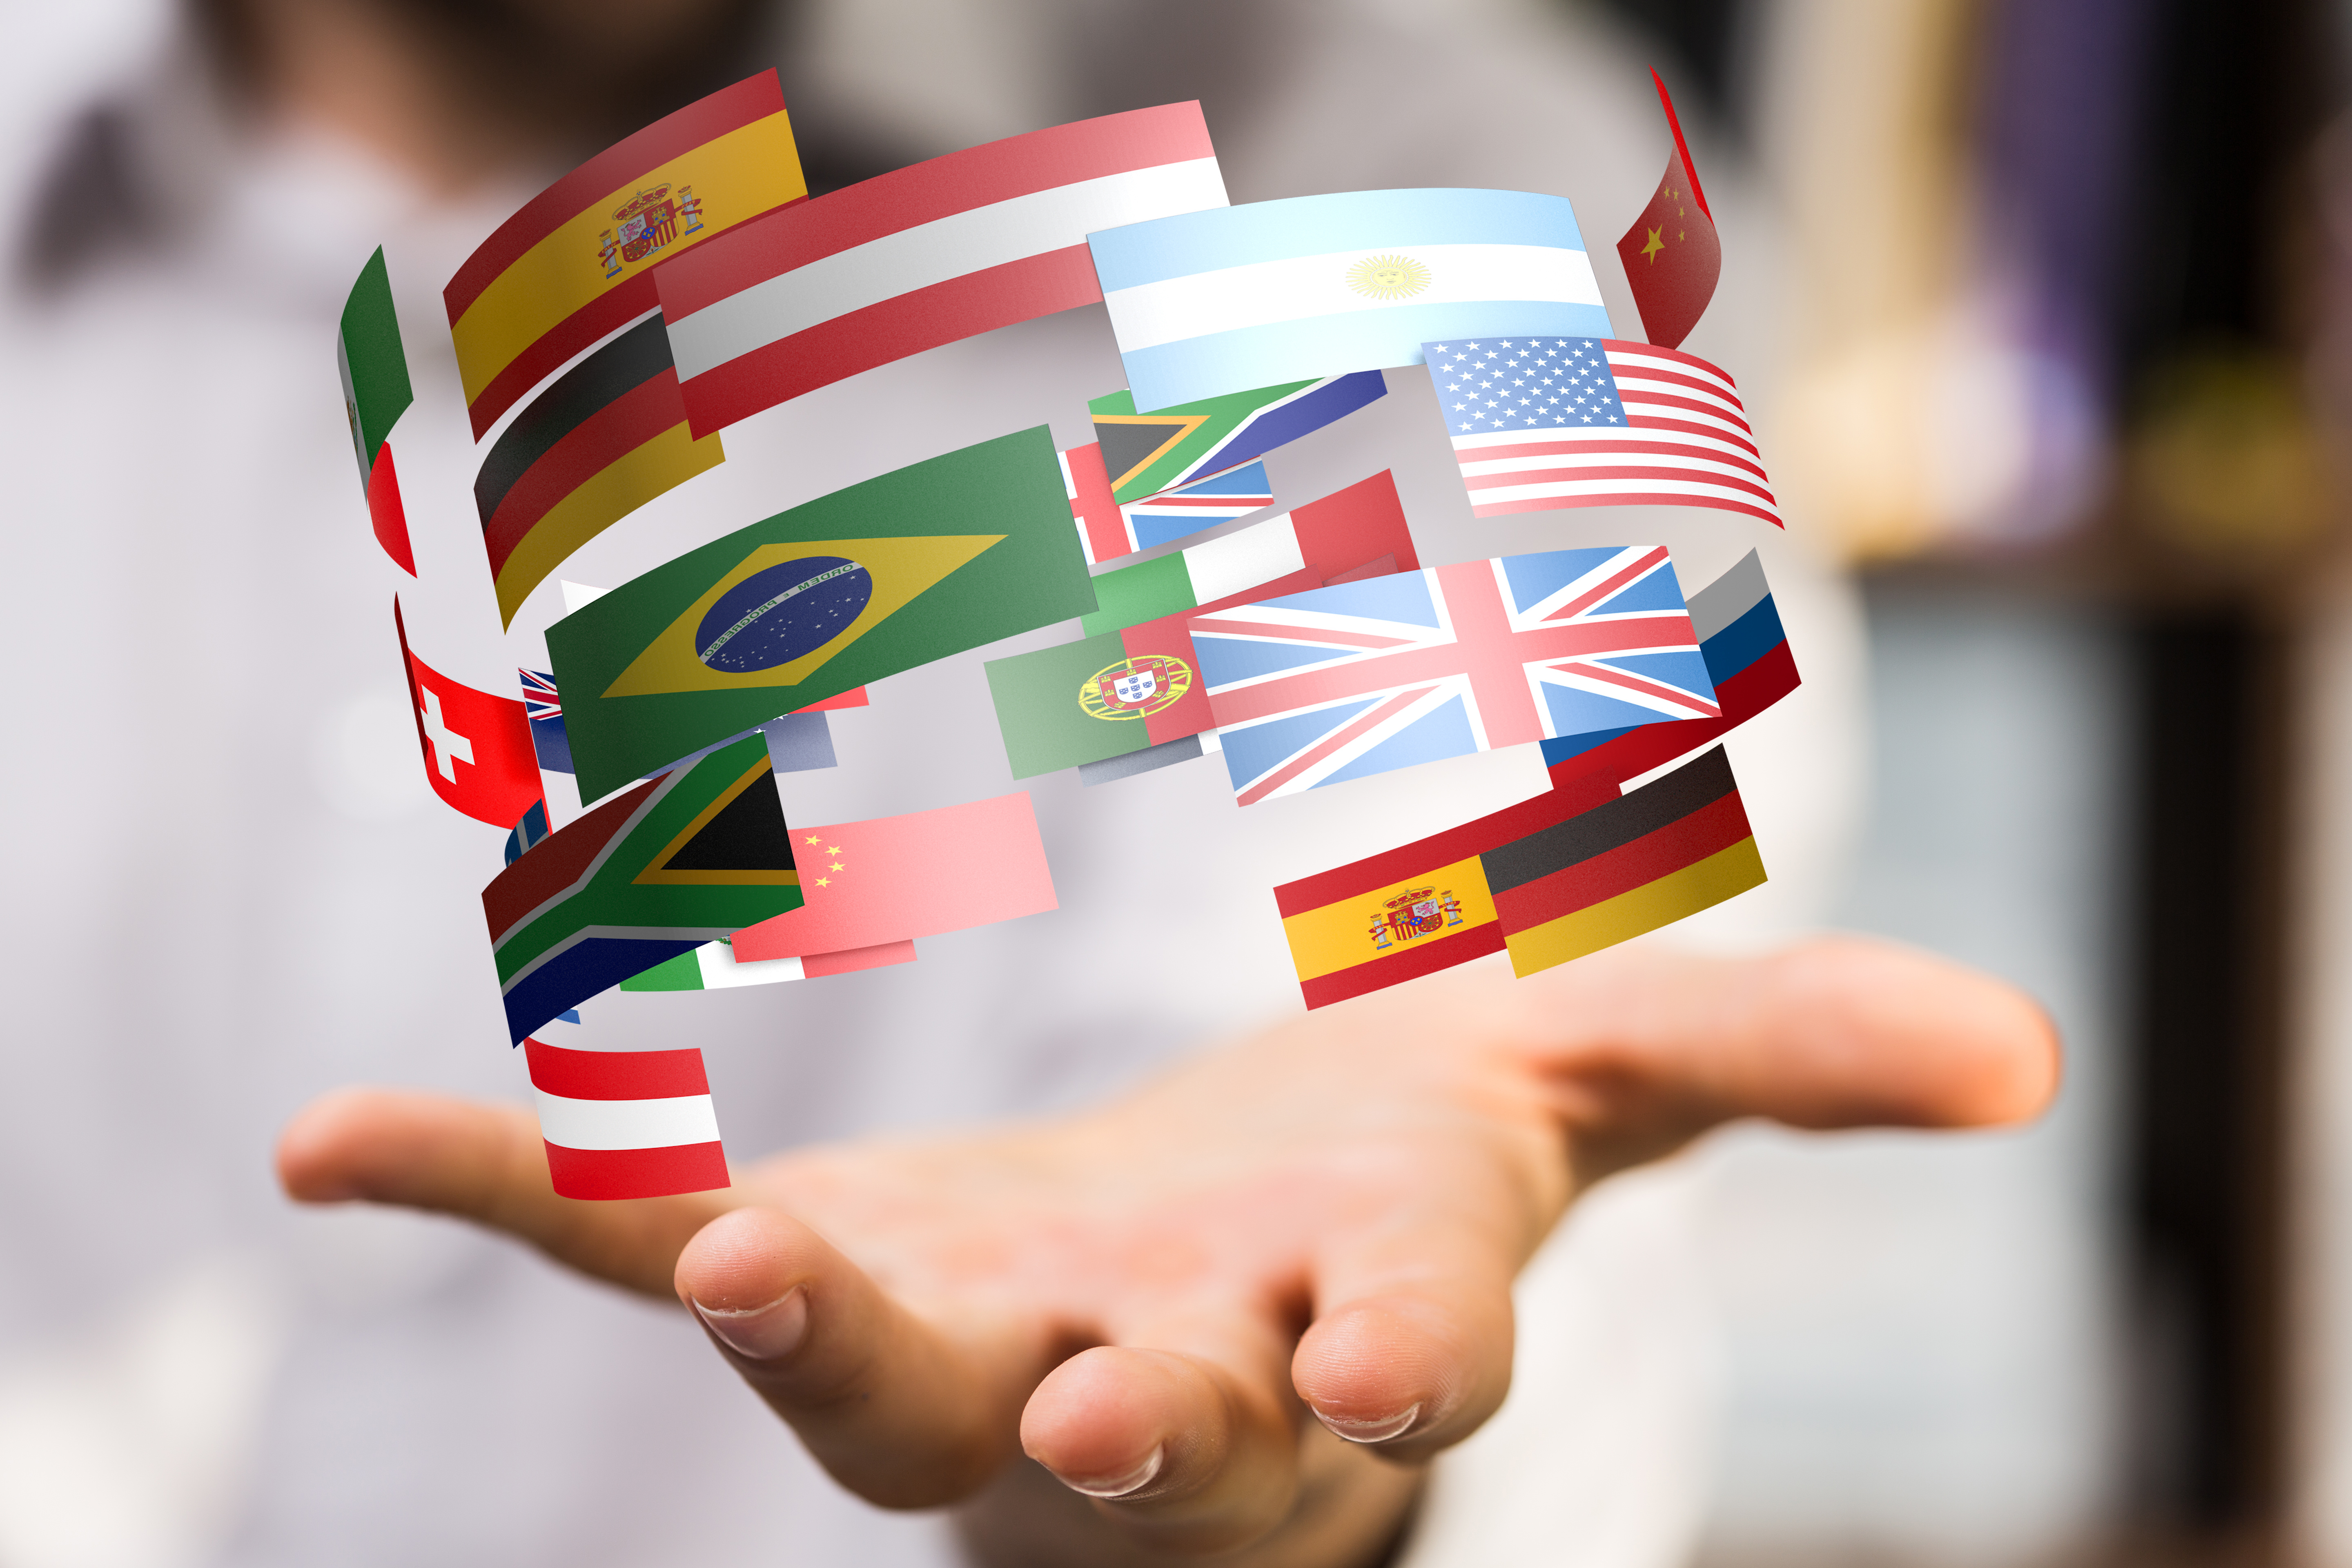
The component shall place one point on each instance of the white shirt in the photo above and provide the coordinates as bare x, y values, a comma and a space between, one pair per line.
226, 900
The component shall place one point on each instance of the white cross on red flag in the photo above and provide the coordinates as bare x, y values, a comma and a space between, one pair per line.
476, 746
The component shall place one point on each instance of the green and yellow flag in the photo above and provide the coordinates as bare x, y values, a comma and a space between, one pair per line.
936, 558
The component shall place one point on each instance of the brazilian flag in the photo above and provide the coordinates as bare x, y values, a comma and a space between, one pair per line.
690, 857
929, 561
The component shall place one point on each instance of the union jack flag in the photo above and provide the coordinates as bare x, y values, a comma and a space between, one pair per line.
1541, 422
545, 712
1173, 514
1345, 681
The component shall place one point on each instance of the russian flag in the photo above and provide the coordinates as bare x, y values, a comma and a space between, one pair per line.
1209, 302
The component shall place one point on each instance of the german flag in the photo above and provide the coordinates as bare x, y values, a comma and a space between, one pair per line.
607, 438
1414, 909
1673, 847
577, 261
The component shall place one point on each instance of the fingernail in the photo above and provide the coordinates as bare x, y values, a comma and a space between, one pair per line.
760, 1333
1135, 1481
1378, 1431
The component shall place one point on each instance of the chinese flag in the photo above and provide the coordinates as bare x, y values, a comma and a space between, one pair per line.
1672, 256
894, 878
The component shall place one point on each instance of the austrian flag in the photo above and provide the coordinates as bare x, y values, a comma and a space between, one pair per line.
920, 257
1347, 681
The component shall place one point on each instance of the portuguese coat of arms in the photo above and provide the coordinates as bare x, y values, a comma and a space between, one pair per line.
1136, 688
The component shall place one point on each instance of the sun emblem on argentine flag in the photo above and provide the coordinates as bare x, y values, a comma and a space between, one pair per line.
1388, 277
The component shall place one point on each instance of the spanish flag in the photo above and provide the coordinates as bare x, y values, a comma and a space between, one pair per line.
605, 438
577, 261
1550, 879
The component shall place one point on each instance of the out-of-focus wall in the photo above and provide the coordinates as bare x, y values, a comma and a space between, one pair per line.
1921, 1331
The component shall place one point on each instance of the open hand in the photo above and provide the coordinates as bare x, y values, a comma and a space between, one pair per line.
1151, 1299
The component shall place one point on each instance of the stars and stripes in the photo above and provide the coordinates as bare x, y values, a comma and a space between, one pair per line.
1540, 422
1349, 680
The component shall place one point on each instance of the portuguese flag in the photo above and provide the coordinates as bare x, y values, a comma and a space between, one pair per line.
1119, 693
936, 558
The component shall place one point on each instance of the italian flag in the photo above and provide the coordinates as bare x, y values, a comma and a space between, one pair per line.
376, 393
1357, 532
713, 966
1062, 707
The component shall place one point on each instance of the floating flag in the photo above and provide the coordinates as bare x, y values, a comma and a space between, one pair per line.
543, 708
896, 877
373, 366
386, 516
1119, 693
527, 834
1748, 659
602, 439
1108, 530
799, 743
686, 857
1606, 871
1544, 423
713, 966
921, 257
625, 1124
1332, 538
476, 746
974, 545
1102, 532
376, 393
1209, 302
1348, 681
1145, 454
579, 259
1670, 254
1677, 844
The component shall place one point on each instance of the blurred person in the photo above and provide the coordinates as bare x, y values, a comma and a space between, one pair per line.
192, 1372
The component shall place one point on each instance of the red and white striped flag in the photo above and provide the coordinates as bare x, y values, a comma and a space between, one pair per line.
1540, 422
625, 1124
920, 257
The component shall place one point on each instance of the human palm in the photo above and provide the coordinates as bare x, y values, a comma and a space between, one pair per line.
1152, 1298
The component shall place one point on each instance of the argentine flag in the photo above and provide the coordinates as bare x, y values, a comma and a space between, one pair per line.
1210, 302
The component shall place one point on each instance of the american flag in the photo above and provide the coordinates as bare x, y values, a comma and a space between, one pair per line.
1541, 422
1342, 682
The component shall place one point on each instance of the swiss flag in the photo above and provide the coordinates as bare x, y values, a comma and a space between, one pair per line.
478, 752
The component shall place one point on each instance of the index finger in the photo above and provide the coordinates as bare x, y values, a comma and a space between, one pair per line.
485, 1163
1645, 1047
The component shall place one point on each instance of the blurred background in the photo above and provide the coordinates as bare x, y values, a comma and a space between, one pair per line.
2059, 368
